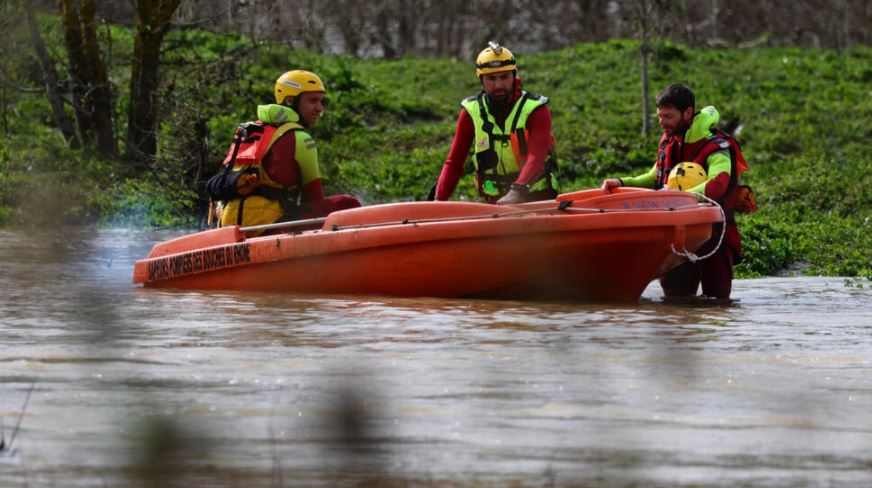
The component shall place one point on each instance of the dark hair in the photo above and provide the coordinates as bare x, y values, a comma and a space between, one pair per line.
676, 95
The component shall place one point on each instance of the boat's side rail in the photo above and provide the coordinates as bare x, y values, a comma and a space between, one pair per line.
564, 207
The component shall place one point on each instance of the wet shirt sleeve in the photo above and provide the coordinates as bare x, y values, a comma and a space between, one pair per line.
539, 128
307, 157
644, 180
452, 170
719, 171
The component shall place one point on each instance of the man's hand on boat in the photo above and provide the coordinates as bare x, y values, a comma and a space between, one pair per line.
611, 183
511, 198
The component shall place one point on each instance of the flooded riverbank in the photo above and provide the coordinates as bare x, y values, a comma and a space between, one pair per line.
129, 386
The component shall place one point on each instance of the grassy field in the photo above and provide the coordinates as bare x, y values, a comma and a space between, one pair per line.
802, 116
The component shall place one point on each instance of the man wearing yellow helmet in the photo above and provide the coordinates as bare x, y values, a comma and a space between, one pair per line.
691, 136
511, 132
271, 171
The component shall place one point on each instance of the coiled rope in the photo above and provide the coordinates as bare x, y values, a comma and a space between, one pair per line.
693, 257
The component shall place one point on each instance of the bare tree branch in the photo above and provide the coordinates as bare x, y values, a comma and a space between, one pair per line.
51, 81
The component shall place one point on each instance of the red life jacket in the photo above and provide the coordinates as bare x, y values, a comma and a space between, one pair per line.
674, 150
254, 140
250, 144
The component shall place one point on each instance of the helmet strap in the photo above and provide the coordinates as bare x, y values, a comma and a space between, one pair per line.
295, 105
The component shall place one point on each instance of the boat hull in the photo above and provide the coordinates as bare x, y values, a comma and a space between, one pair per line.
441, 249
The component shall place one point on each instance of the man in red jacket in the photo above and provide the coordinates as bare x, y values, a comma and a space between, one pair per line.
511, 133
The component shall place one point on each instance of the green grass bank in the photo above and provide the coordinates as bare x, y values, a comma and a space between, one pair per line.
803, 117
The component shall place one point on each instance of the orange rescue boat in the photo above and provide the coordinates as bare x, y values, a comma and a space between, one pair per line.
582, 246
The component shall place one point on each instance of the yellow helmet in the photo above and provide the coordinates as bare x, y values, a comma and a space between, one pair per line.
493, 59
295, 82
685, 176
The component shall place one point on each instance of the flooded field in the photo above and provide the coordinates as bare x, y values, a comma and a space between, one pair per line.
106, 384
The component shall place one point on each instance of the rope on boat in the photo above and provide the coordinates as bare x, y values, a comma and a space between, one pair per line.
693, 257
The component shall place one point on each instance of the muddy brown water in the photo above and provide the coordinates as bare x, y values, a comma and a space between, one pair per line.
106, 384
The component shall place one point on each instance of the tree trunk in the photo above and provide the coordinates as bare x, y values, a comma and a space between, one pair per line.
643, 10
100, 93
348, 15
5, 104
715, 19
383, 20
50, 78
91, 93
407, 14
150, 24
646, 104
69, 11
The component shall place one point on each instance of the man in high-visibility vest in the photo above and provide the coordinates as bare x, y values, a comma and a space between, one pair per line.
509, 131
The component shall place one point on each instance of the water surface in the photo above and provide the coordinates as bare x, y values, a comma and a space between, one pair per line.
136, 387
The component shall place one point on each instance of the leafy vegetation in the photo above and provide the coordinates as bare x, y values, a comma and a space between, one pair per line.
802, 116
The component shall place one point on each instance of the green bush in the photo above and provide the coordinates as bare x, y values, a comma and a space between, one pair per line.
144, 203
767, 247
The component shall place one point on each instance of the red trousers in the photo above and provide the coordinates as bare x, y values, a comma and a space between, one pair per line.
715, 272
